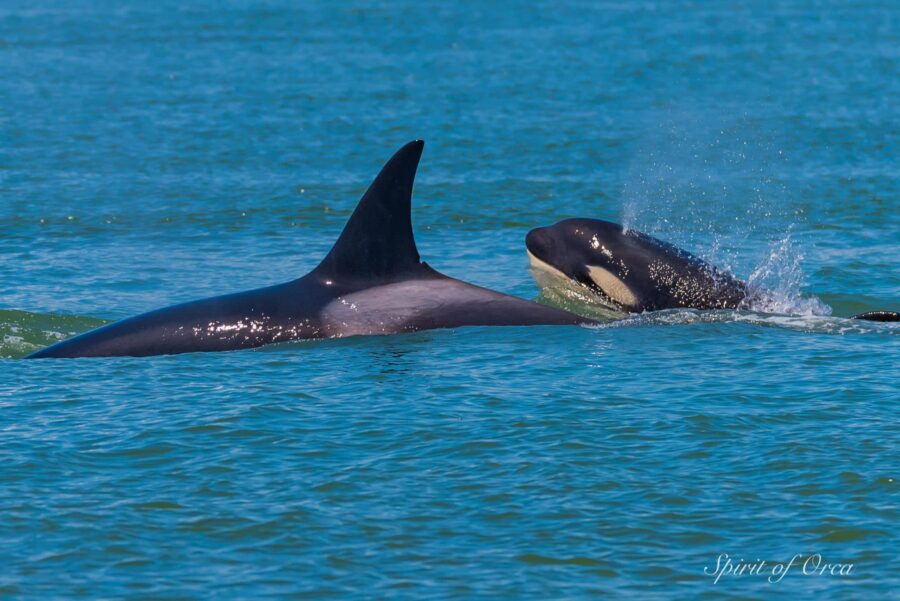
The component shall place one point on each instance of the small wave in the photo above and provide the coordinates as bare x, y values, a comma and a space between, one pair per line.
819, 324
22, 333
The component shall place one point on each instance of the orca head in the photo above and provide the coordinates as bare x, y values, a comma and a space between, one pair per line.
595, 253
628, 270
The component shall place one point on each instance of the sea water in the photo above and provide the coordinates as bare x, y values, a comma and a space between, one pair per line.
158, 152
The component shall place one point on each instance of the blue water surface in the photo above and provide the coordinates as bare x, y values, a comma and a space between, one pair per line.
158, 152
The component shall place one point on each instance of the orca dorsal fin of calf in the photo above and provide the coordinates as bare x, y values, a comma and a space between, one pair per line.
371, 282
878, 316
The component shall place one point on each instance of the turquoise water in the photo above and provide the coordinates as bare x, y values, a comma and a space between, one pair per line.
152, 153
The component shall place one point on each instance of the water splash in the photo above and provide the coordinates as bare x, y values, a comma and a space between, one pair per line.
707, 183
776, 282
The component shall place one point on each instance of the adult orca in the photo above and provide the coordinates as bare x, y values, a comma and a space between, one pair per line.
632, 272
371, 282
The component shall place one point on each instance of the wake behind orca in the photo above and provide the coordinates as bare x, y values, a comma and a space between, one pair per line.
632, 272
371, 282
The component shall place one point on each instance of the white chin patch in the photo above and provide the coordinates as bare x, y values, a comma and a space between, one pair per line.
612, 286
545, 267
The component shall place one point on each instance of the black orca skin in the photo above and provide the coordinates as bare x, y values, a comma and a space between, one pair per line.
631, 272
371, 282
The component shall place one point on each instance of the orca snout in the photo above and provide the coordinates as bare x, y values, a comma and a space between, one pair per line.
539, 243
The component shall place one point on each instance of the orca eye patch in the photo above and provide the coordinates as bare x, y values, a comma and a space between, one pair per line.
613, 287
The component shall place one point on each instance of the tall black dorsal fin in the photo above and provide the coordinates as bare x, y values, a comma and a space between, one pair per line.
378, 238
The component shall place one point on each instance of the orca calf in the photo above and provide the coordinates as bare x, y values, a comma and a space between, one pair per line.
632, 272
371, 282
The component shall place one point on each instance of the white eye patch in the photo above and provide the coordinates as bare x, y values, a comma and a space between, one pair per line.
612, 286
